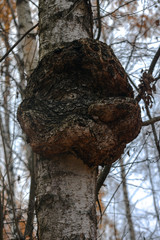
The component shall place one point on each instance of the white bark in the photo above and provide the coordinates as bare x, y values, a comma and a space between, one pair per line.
66, 199
29, 53
29, 44
65, 185
63, 21
29, 48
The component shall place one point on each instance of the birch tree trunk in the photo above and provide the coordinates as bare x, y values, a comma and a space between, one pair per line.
65, 185
73, 101
63, 21
28, 53
66, 199
29, 44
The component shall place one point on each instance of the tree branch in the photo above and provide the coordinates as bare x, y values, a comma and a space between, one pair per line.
153, 129
9, 182
107, 168
151, 121
150, 71
154, 61
102, 178
99, 21
110, 13
10, 50
31, 205
1, 218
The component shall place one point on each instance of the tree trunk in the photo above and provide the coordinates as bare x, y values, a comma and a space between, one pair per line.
65, 199
65, 185
29, 52
127, 203
29, 44
73, 101
63, 21
1, 217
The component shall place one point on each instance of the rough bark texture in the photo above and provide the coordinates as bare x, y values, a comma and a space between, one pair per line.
78, 100
63, 21
65, 185
65, 199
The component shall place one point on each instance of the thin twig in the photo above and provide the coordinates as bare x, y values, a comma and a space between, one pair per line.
121, 182
150, 71
153, 128
154, 61
9, 181
31, 205
33, 3
99, 21
108, 14
10, 50
151, 121
134, 43
102, 177
1, 218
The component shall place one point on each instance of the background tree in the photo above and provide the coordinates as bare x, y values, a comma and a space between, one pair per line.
132, 29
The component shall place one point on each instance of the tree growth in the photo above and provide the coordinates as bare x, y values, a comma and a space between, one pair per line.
79, 109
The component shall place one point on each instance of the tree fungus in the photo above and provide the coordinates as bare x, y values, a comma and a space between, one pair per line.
78, 100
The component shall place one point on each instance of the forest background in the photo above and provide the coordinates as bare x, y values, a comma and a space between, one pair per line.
128, 206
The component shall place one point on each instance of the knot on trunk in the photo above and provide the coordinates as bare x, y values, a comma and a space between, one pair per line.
78, 100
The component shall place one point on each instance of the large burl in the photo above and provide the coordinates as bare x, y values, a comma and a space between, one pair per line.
78, 100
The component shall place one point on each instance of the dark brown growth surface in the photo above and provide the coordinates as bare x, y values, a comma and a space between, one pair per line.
78, 100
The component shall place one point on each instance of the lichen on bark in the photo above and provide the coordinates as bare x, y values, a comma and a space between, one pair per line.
78, 100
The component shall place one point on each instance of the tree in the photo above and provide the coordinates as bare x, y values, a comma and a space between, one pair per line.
76, 114
128, 200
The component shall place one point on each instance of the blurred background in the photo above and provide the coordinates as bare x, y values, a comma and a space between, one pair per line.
128, 206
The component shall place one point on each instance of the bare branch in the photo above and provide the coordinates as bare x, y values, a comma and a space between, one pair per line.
151, 121
156, 208
33, 3
153, 128
121, 182
1, 219
31, 205
9, 181
150, 71
102, 177
110, 13
10, 50
13, 15
99, 20
154, 61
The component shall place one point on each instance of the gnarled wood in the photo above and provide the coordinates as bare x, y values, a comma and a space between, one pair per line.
78, 100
